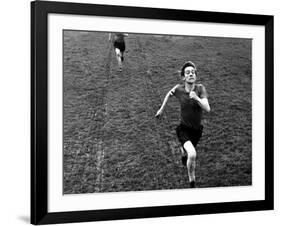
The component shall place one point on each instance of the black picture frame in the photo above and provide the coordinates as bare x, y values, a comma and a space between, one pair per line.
39, 112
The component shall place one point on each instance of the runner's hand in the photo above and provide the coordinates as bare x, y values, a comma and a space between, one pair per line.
193, 95
159, 113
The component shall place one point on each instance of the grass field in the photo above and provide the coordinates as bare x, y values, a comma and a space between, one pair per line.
112, 141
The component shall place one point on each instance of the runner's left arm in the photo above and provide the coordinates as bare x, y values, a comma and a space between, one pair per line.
202, 100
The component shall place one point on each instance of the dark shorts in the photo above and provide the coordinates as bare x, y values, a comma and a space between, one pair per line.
119, 45
185, 134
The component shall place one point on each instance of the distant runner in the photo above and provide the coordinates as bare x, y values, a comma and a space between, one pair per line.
119, 46
193, 99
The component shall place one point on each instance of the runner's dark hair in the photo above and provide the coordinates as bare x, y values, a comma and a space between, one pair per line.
188, 64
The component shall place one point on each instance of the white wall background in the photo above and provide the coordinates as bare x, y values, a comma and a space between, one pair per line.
15, 112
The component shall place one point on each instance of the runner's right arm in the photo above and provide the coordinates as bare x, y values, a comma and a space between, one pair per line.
170, 93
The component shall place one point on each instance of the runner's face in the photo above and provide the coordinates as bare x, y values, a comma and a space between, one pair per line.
189, 74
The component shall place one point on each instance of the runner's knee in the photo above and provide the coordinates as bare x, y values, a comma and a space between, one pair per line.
191, 152
117, 51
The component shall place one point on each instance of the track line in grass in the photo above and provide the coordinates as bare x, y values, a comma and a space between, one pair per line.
98, 114
99, 166
99, 143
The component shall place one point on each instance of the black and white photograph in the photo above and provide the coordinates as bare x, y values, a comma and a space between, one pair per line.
147, 112
155, 111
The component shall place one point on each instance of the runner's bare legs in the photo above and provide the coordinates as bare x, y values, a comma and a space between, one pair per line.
191, 162
119, 57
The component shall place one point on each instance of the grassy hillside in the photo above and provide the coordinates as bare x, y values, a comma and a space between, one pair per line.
112, 142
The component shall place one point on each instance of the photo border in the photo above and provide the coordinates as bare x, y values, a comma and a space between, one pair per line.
39, 111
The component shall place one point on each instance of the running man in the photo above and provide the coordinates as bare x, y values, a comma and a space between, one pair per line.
119, 47
193, 99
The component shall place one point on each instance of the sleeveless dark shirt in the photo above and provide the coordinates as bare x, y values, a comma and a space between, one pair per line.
191, 112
